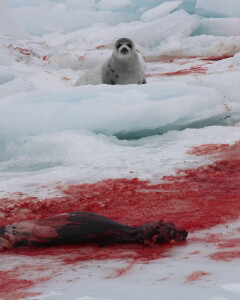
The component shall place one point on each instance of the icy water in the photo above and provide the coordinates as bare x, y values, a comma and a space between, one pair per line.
165, 150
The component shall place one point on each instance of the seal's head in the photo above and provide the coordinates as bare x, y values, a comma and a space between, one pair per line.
168, 232
158, 232
124, 48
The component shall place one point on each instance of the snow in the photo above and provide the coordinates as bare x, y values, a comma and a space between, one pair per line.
160, 11
8, 25
218, 8
220, 26
170, 30
53, 133
232, 287
99, 108
205, 45
116, 5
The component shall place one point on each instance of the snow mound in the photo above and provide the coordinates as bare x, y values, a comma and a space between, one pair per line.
8, 25
114, 5
160, 11
168, 30
220, 27
100, 109
218, 8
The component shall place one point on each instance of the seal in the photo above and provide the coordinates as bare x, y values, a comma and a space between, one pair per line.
85, 228
123, 67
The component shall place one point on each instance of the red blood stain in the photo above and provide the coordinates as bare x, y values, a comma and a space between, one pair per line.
24, 51
101, 47
169, 59
194, 252
220, 152
214, 238
11, 286
15, 282
226, 255
208, 149
120, 271
230, 243
191, 70
65, 78
194, 199
165, 58
220, 240
216, 58
196, 276
163, 279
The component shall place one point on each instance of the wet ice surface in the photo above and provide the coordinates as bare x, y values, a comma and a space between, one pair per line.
54, 134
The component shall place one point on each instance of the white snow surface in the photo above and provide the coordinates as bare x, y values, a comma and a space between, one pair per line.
218, 8
114, 5
8, 24
160, 11
52, 132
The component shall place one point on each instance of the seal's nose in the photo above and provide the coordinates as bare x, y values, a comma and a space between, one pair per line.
124, 50
181, 235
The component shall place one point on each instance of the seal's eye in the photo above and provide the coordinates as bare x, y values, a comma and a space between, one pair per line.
129, 45
118, 46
